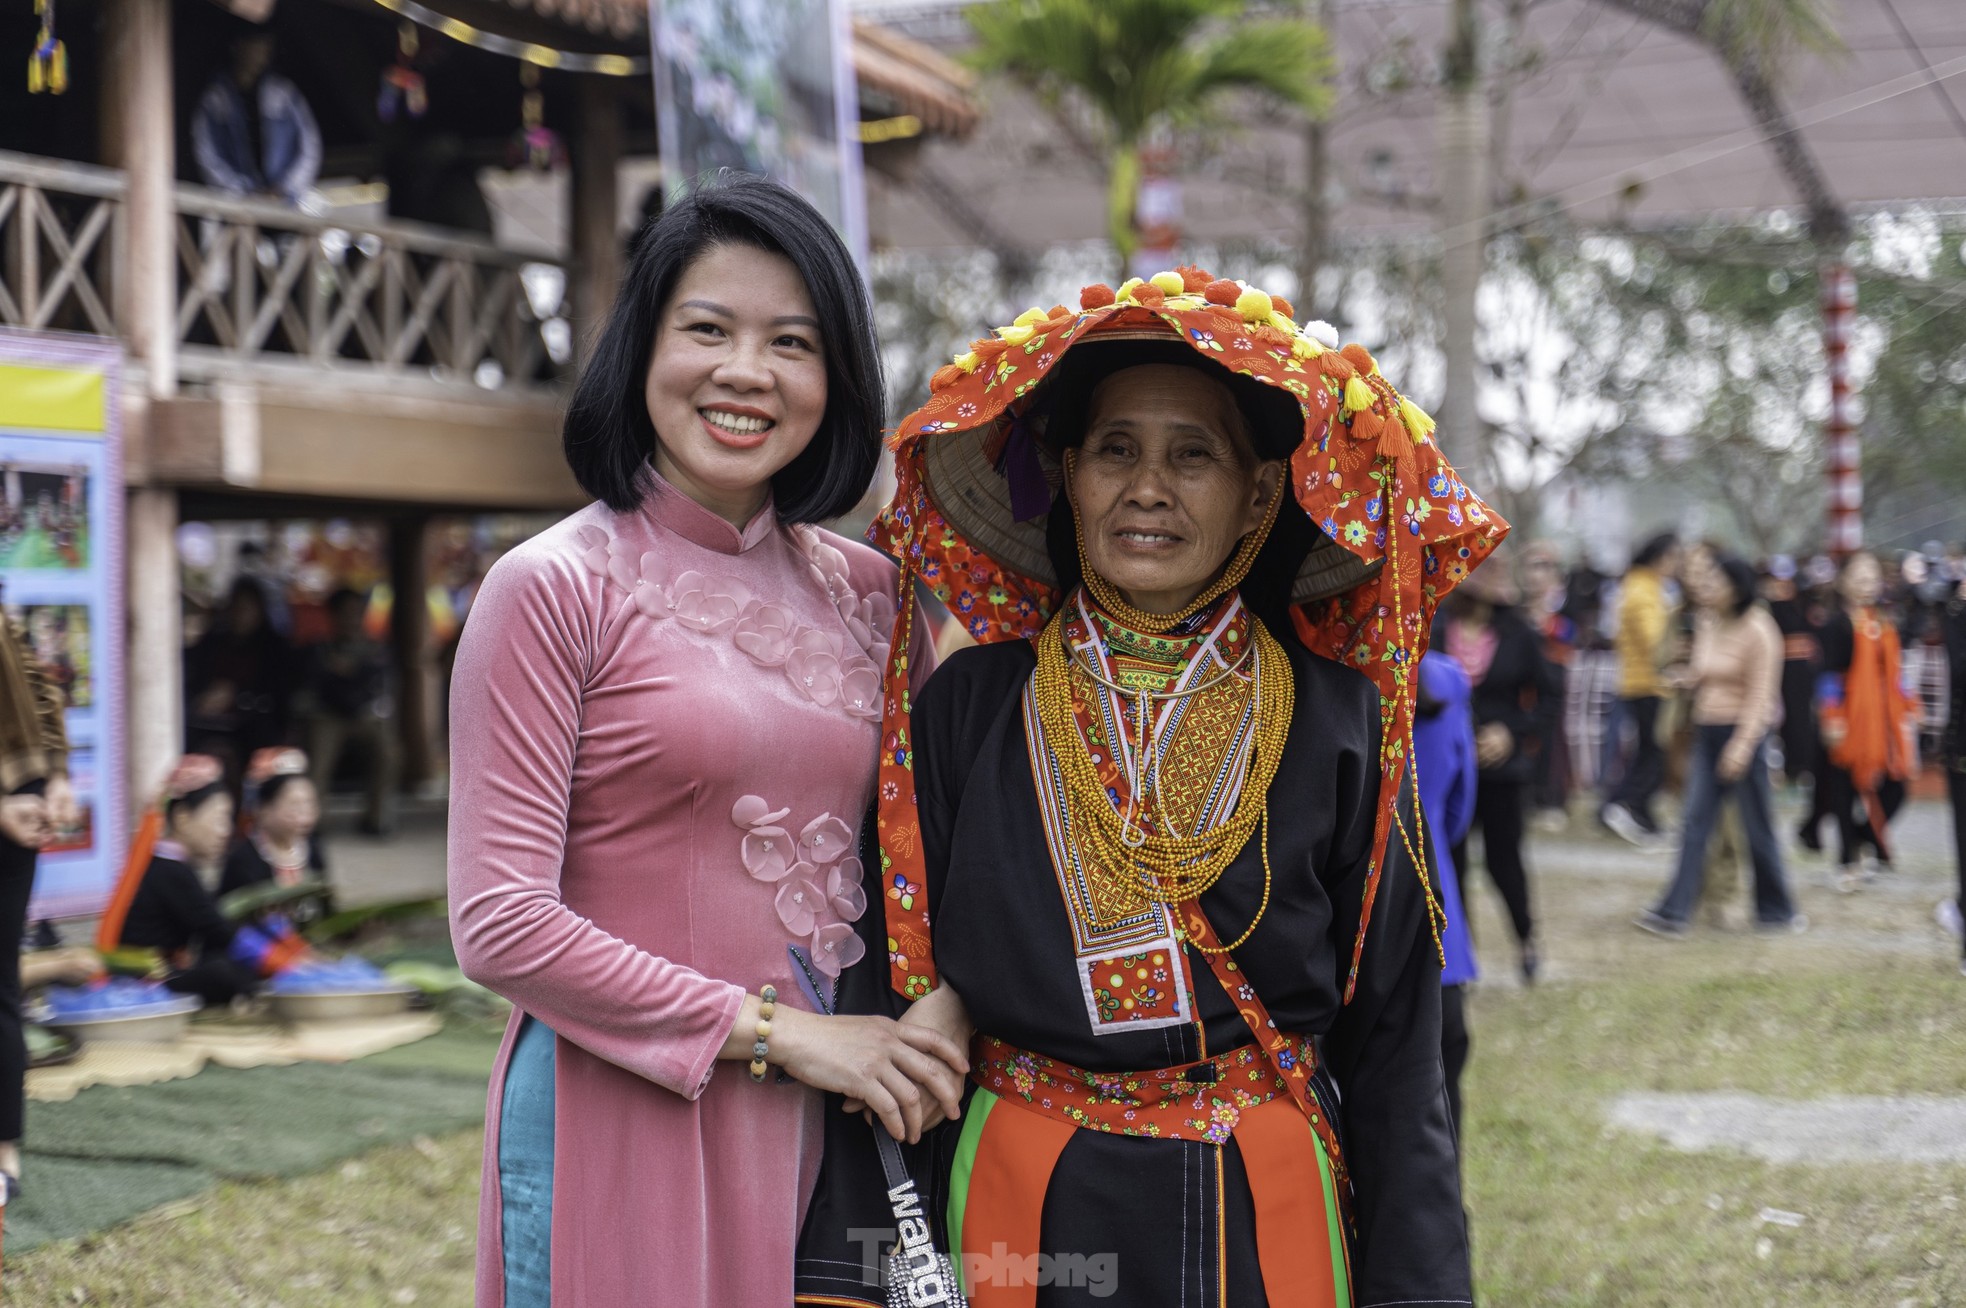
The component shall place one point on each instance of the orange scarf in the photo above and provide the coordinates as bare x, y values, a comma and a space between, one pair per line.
1878, 716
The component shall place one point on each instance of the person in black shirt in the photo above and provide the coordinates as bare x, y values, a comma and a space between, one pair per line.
1952, 752
279, 847
1517, 700
173, 912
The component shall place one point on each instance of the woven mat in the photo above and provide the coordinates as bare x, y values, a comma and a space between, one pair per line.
228, 1044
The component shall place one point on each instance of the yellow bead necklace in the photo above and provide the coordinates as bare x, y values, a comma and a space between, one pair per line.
1166, 867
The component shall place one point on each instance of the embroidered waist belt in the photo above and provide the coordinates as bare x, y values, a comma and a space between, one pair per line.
1028, 1106
1194, 1101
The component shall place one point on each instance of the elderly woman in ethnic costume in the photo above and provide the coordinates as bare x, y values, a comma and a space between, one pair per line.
1164, 818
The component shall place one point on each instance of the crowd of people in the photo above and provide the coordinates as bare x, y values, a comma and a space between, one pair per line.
1699, 672
249, 688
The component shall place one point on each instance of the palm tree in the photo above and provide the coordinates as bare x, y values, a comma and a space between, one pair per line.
1757, 41
1142, 64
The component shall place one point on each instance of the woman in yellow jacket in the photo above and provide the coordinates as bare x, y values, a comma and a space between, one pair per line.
1644, 628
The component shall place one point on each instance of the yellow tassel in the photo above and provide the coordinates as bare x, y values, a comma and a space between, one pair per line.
1358, 395
1170, 282
968, 361
1125, 292
1417, 420
1254, 305
1016, 335
1303, 347
1032, 317
1283, 324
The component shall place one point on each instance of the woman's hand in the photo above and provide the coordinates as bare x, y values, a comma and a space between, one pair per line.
1494, 742
900, 1072
24, 820
940, 1010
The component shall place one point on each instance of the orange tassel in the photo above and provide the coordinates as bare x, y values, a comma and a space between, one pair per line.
1150, 295
1059, 311
1194, 280
945, 376
1096, 296
1282, 306
1223, 291
1360, 357
1336, 366
1396, 443
1367, 426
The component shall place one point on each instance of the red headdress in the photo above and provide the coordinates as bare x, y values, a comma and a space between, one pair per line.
1399, 529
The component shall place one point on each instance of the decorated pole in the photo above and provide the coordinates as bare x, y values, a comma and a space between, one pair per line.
1845, 525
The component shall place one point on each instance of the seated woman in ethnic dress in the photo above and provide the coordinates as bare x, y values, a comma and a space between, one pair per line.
1169, 865
278, 854
164, 917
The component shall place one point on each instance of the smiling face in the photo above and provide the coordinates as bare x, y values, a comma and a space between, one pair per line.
1166, 483
737, 383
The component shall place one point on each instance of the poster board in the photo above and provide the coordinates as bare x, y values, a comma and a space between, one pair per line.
61, 581
762, 86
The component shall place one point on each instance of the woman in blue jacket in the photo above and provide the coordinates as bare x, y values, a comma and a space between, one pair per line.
1444, 745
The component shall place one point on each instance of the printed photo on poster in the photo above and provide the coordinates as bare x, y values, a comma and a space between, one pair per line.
44, 517
58, 637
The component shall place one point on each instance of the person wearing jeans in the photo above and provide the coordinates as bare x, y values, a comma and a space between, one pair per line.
1951, 913
1735, 675
1644, 629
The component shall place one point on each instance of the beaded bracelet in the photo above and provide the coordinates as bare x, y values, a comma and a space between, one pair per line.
767, 1005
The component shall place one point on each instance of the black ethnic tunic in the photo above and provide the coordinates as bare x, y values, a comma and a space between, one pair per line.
1151, 1222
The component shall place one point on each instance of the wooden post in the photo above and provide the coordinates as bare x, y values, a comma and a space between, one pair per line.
596, 206
156, 649
409, 622
140, 137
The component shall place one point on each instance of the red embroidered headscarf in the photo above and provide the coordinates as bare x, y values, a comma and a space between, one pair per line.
974, 483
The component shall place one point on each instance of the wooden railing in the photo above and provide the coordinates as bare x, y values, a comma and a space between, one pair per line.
260, 284
61, 230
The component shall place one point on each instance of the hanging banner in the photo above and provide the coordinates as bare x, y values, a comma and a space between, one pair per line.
762, 86
61, 583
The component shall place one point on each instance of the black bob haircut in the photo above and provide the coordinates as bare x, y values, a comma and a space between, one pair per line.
607, 434
1655, 549
195, 800
1740, 580
269, 790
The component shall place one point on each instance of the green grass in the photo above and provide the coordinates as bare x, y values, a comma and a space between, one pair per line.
1566, 1211
396, 1226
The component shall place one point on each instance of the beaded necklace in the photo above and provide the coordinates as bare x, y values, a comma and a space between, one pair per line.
1125, 828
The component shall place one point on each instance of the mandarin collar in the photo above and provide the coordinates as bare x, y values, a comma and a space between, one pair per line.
670, 508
